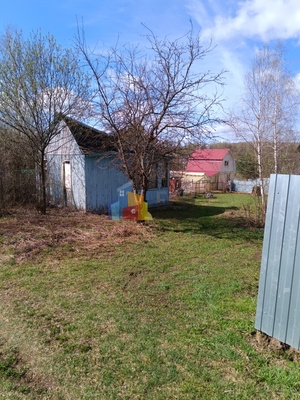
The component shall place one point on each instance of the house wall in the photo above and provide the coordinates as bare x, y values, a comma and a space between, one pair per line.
228, 164
102, 182
57, 193
227, 172
157, 197
63, 148
154, 197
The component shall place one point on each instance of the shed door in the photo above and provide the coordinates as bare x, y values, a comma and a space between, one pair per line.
67, 182
67, 175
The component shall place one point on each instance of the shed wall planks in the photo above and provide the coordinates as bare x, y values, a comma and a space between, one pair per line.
278, 305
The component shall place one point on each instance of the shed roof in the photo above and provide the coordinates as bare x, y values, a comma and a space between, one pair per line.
90, 140
208, 161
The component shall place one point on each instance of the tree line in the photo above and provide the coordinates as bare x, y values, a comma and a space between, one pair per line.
153, 100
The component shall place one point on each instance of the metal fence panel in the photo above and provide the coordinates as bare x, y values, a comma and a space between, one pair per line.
278, 303
247, 186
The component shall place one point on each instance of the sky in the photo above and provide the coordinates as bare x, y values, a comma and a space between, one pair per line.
237, 28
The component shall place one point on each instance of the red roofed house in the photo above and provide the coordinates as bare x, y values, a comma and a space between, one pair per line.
208, 169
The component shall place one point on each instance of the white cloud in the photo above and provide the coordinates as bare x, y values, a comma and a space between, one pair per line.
251, 19
224, 133
236, 27
297, 81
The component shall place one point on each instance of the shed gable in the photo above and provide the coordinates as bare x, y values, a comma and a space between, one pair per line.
64, 143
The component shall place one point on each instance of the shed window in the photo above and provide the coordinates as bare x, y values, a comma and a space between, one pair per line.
226, 163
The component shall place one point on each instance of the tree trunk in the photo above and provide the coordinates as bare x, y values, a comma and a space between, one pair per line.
140, 199
43, 200
275, 127
260, 176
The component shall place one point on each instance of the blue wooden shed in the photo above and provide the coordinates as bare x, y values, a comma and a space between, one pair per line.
82, 172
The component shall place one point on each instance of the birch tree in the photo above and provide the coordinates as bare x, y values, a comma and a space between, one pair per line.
40, 83
284, 104
268, 110
252, 122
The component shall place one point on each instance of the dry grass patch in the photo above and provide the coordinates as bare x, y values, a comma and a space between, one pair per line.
26, 233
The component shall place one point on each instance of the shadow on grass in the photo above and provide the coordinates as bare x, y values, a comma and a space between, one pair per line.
191, 218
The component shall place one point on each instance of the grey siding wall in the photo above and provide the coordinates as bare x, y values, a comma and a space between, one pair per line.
55, 180
278, 305
64, 148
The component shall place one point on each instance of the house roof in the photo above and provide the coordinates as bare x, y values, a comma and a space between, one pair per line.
89, 139
208, 161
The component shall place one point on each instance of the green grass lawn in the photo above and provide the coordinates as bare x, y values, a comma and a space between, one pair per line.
163, 310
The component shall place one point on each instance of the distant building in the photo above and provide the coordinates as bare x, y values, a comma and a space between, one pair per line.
208, 169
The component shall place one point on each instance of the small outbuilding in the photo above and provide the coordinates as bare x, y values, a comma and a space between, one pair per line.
82, 171
209, 169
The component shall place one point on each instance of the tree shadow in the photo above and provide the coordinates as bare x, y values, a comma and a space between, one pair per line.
187, 217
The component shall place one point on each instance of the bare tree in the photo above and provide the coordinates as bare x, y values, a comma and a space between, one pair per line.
17, 175
252, 122
284, 103
268, 110
40, 83
153, 99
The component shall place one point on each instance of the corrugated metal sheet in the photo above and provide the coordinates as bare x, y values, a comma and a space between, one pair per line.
247, 186
278, 305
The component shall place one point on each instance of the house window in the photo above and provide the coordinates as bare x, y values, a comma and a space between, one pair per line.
226, 163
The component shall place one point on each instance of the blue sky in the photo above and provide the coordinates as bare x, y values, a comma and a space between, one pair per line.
237, 27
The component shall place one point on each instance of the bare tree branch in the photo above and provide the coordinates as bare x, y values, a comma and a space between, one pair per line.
151, 99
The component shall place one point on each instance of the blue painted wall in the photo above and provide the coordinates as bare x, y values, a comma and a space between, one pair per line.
102, 182
157, 197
